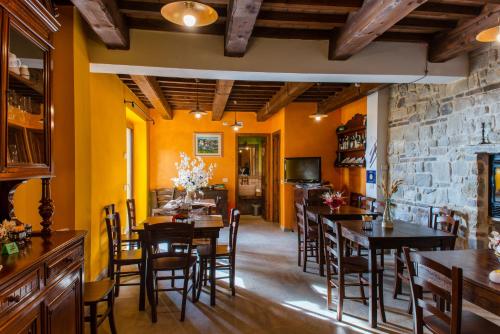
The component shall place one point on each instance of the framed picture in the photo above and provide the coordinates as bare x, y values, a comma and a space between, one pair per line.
208, 144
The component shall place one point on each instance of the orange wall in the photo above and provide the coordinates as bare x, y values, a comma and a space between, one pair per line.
353, 179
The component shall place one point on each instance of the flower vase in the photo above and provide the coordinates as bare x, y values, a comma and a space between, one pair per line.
189, 198
387, 217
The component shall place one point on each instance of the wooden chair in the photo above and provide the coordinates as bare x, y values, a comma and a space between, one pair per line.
95, 293
225, 256
117, 256
130, 239
340, 265
366, 202
169, 260
446, 284
355, 199
300, 221
310, 237
132, 222
439, 219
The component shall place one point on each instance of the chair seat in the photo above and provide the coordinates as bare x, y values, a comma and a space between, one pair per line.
200, 242
172, 263
471, 324
94, 292
356, 264
221, 250
131, 256
130, 237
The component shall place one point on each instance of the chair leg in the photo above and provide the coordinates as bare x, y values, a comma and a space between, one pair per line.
193, 284
340, 301
151, 298
117, 280
380, 286
200, 278
111, 315
184, 294
397, 271
205, 273
172, 281
93, 318
361, 289
232, 275
304, 258
298, 247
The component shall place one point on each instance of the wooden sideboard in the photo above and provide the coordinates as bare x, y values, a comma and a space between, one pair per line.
41, 287
310, 196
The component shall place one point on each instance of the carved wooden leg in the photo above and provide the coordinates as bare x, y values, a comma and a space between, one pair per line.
46, 208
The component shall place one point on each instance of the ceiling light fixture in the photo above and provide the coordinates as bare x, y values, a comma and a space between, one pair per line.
197, 112
236, 126
189, 13
317, 115
489, 35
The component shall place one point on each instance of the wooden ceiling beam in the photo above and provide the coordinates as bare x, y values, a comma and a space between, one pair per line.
106, 21
372, 20
286, 95
463, 38
242, 15
152, 91
222, 91
348, 95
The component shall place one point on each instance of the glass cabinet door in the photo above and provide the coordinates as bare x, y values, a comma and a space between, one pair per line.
26, 102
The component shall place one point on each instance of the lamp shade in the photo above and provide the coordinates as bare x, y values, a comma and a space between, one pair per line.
189, 13
489, 35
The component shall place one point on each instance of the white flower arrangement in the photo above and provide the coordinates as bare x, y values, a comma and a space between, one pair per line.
495, 242
191, 173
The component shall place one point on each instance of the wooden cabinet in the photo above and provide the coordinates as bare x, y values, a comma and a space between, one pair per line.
35, 298
351, 139
26, 101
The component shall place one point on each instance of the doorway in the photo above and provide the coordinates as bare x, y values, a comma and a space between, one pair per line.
130, 162
252, 173
276, 162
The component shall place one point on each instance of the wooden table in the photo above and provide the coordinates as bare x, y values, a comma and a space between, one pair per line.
476, 264
205, 226
345, 212
403, 234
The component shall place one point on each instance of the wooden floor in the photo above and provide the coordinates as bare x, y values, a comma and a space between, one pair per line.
273, 296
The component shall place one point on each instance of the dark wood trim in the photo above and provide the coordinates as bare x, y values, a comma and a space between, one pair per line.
276, 167
463, 38
222, 92
106, 21
348, 95
286, 95
242, 15
372, 20
151, 89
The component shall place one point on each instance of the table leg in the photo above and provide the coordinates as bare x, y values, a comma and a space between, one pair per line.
213, 247
321, 248
372, 264
142, 286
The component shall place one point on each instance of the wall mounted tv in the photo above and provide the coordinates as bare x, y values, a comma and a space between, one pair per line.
303, 170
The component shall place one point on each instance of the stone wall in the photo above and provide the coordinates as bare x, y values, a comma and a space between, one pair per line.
434, 132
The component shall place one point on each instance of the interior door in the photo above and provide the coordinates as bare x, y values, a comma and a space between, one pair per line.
276, 161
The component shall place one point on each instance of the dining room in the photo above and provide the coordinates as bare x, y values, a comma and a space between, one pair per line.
250, 166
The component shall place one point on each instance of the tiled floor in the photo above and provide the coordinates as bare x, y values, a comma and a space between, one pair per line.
273, 296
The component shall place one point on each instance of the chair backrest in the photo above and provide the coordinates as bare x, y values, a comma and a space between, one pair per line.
113, 229
300, 215
109, 209
446, 284
233, 230
377, 206
366, 202
179, 235
333, 245
355, 199
131, 213
163, 195
443, 219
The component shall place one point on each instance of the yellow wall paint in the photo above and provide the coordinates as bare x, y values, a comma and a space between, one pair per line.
140, 163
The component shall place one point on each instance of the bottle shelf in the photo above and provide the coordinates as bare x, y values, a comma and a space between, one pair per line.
352, 130
359, 149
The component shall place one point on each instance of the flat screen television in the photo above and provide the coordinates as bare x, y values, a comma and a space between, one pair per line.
303, 170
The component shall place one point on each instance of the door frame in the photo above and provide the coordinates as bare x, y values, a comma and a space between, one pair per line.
130, 127
266, 167
275, 179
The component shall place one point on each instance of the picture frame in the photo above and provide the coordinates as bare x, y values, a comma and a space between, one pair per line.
208, 144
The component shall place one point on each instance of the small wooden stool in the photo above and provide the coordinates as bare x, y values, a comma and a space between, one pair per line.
95, 293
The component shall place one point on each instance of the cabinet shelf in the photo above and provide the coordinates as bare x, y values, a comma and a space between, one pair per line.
19, 81
359, 149
349, 165
352, 130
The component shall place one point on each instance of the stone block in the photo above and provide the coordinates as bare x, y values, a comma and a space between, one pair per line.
446, 109
423, 179
441, 172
